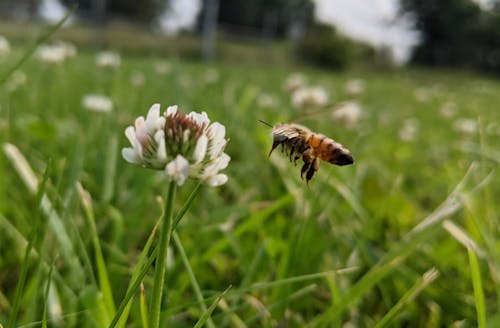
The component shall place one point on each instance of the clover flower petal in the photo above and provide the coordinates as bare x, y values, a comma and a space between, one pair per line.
178, 170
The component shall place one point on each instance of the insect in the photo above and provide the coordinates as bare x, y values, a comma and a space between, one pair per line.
298, 141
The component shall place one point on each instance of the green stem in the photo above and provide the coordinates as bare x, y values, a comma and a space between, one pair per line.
161, 260
192, 278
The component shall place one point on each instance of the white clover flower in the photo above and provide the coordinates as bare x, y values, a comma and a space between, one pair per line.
181, 145
97, 103
4, 46
409, 130
349, 113
310, 96
267, 100
162, 68
354, 87
67, 48
16, 80
51, 54
422, 95
108, 59
466, 126
448, 109
294, 81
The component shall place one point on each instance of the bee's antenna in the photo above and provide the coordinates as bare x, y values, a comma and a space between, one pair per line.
264, 122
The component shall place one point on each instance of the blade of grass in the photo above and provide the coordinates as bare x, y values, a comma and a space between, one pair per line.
293, 296
102, 272
141, 263
34, 234
462, 237
141, 270
478, 288
254, 220
409, 296
41, 39
110, 169
46, 297
204, 318
192, 277
29, 178
143, 308
402, 250
186, 206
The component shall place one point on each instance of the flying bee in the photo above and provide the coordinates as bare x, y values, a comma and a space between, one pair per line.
298, 141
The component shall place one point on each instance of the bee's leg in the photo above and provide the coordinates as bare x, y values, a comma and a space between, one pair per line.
308, 161
313, 167
292, 150
275, 144
304, 169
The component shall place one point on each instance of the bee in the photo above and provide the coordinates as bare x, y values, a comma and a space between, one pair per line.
298, 141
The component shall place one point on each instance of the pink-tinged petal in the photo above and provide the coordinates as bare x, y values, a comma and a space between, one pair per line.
140, 130
132, 138
201, 149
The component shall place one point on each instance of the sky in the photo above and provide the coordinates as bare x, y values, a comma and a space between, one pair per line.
376, 22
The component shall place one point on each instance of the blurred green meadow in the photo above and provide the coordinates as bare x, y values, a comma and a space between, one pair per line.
408, 236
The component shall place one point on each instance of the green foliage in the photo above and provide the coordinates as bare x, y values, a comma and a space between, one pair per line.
385, 241
323, 46
455, 33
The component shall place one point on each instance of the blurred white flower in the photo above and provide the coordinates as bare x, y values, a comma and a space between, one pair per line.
422, 95
409, 130
448, 109
69, 49
349, 113
354, 87
181, 145
108, 59
4, 46
266, 100
465, 125
137, 78
162, 68
55, 53
294, 81
310, 96
16, 80
97, 103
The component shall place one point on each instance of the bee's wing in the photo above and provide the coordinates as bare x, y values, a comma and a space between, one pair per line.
285, 131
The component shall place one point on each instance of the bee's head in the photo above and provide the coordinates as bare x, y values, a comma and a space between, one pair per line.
341, 157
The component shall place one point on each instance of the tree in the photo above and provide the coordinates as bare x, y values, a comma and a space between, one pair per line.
455, 33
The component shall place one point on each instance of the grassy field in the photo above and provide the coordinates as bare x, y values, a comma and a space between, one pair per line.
408, 236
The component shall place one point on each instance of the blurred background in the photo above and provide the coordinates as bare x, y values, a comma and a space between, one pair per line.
408, 236
333, 33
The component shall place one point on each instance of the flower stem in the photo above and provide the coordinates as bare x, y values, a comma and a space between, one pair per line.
161, 260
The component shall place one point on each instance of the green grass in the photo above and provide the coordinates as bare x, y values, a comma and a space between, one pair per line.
408, 236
